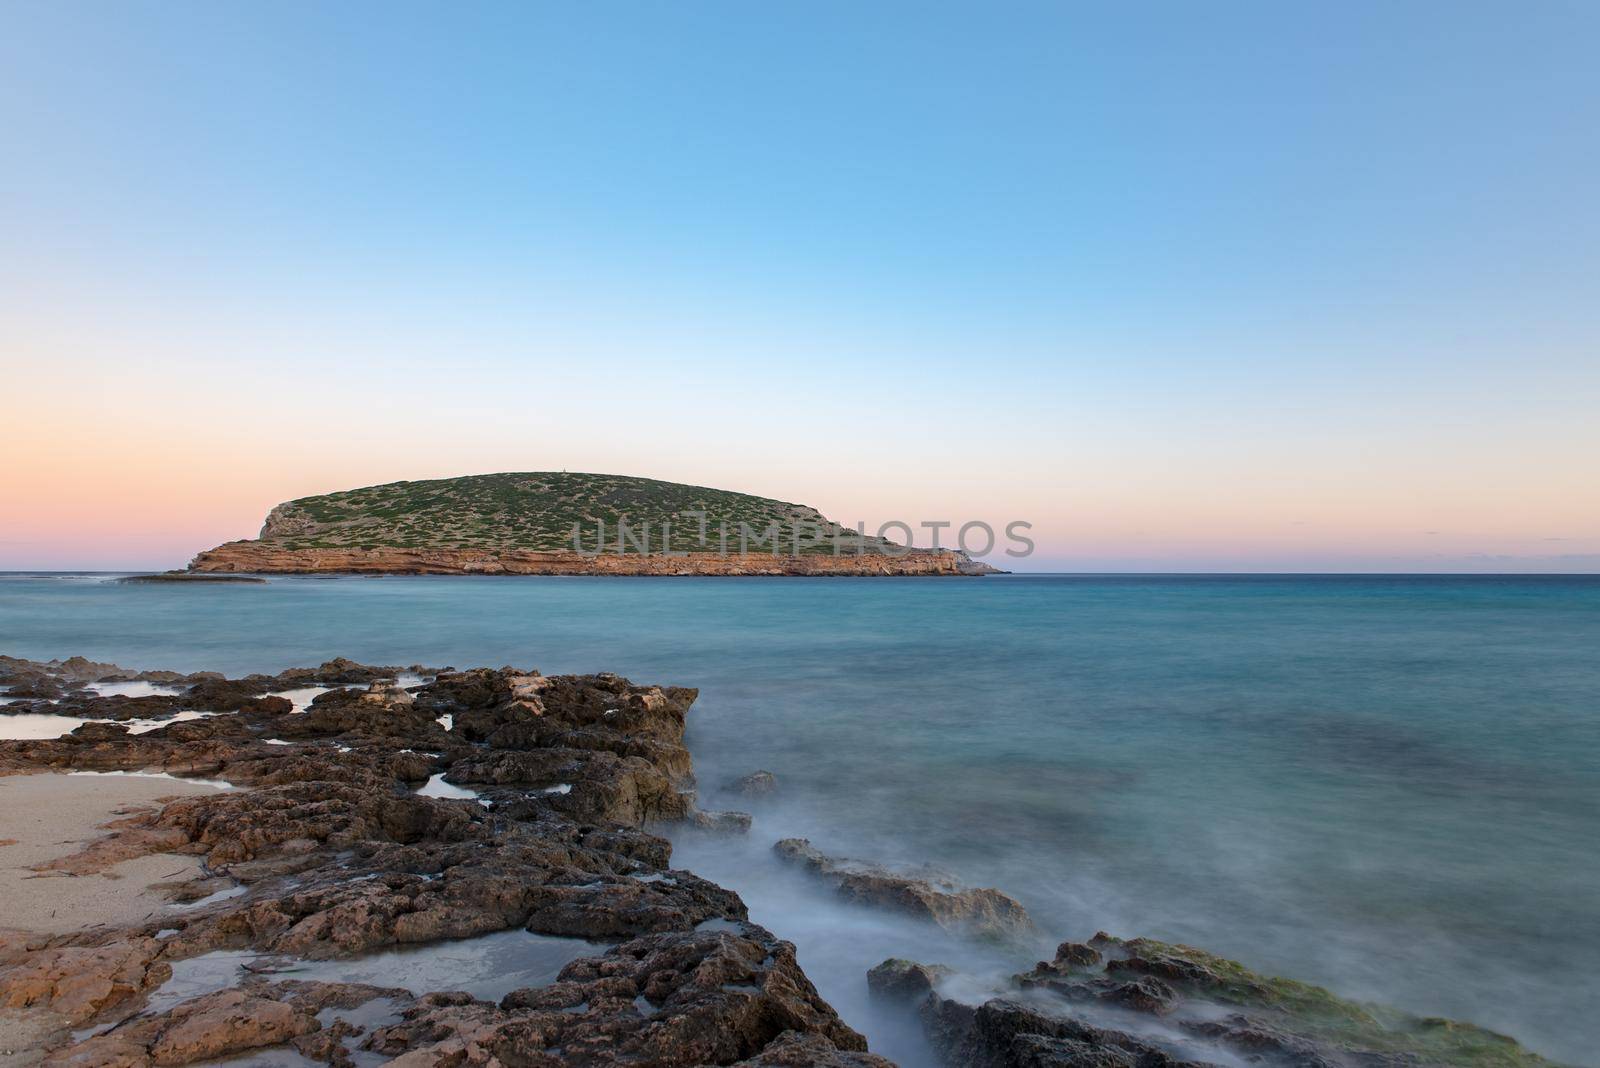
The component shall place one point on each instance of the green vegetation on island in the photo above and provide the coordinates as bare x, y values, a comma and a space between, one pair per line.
539, 510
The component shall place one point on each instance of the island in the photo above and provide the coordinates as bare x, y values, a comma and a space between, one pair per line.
565, 523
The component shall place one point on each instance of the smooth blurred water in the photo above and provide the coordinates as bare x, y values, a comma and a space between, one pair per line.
1390, 785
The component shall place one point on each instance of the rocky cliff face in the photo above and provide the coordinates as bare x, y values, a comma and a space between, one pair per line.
268, 557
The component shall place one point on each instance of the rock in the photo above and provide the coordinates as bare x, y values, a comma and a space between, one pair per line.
757, 784
223, 695
680, 999
1217, 1012
41, 687
100, 732
928, 895
82, 669
581, 784
1076, 954
388, 694
227, 1022
800, 851
190, 576
205, 1028
904, 980
721, 822
275, 558
77, 982
1004, 1034
793, 1048
235, 827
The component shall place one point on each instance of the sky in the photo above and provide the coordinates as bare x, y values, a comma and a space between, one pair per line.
1188, 287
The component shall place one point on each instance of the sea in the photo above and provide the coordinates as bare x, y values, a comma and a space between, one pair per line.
1387, 785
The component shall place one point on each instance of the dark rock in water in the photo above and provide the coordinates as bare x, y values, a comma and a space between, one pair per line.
100, 732
1004, 1034
1074, 976
75, 671
1145, 994
757, 784
581, 784
193, 576
1076, 955
1216, 1011
346, 713
118, 707
458, 691
686, 998
927, 895
224, 695
904, 980
254, 1016
794, 1049
721, 822
340, 671
42, 687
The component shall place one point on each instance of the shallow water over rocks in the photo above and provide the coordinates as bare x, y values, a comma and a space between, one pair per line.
487, 967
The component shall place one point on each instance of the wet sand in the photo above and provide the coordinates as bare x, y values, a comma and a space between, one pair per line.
49, 816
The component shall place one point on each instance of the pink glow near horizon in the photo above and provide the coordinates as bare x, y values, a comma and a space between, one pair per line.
130, 447
153, 504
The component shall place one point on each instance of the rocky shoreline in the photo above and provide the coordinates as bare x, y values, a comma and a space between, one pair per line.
260, 557
383, 815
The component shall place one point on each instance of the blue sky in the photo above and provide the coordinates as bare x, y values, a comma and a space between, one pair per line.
1187, 286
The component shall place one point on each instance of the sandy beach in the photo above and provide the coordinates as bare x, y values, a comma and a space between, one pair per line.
53, 818
49, 817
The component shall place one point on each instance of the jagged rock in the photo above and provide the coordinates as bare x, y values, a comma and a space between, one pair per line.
388, 694
1074, 976
76, 982
118, 706
100, 732
927, 895
347, 712
82, 669
756, 785
721, 822
203, 1029
41, 687
904, 980
342, 671
1004, 1034
234, 827
224, 695
593, 785
459, 691
1216, 1010
681, 999
793, 1049
1076, 955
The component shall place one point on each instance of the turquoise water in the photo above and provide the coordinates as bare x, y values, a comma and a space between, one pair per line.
1390, 785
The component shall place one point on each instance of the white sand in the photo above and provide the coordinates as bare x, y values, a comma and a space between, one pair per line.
49, 816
